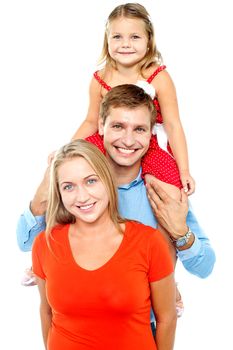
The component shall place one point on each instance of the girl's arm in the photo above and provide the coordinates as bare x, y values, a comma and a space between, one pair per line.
90, 124
166, 94
45, 310
164, 307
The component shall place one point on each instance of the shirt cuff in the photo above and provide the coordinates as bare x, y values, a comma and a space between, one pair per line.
191, 252
33, 220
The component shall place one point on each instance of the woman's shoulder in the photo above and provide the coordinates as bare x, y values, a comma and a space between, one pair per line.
137, 229
146, 237
56, 232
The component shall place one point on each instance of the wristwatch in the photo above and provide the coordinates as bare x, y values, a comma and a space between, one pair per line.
182, 241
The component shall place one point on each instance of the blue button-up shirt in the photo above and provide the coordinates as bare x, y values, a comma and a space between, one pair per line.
199, 259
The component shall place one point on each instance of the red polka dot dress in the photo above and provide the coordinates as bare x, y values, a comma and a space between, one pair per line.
158, 160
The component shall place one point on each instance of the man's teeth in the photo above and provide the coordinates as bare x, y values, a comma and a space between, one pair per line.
125, 150
85, 207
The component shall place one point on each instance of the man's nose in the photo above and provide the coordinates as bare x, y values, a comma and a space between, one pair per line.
128, 138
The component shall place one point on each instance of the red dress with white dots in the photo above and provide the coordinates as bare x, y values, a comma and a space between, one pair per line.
157, 161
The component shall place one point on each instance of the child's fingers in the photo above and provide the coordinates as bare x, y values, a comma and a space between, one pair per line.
191, 187
185, 185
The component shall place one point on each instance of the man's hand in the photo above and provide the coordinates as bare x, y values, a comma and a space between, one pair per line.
39, 203
170, 213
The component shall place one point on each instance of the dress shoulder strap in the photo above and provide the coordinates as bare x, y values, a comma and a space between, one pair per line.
157, 71
101, 81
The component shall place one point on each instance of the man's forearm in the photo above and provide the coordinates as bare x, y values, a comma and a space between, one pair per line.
199, 260
28, 227
38, 206
32, 221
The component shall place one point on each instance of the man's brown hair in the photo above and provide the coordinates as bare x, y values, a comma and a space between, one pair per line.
129, 96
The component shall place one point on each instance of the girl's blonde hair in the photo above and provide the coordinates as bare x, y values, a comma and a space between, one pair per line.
56, 212
137, 11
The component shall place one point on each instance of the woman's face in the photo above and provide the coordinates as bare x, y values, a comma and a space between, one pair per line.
83, 193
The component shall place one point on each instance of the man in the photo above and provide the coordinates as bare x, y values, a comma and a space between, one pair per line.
126, 119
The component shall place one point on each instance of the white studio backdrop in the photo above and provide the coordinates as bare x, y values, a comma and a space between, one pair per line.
49, 51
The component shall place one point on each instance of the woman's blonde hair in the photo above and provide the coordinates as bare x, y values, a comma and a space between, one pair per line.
137, 11
56, 212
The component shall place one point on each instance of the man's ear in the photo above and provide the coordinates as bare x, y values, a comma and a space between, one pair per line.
100, 127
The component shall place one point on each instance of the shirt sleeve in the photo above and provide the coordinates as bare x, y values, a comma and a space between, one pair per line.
28, 227
160, 261
200, 258
37, 256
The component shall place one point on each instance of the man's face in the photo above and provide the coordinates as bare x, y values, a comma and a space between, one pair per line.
127, 134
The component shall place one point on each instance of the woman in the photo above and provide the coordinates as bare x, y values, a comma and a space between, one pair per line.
98, 274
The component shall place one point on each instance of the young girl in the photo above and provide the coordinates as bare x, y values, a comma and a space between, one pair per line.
131, 57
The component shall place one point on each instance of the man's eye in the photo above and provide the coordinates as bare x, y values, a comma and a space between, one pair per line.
117, 126
140, 130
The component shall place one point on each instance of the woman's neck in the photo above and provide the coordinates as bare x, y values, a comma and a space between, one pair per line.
93, 229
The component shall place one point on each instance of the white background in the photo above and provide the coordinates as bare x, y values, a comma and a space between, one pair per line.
49, 51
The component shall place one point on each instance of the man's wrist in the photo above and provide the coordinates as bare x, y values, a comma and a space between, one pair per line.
38, 208
176, 234
185, 241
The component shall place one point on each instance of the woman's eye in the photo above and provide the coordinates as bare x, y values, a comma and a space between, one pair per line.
68, 187
91, 181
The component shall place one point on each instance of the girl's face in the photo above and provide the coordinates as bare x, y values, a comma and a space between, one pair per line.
82, 192
127, 41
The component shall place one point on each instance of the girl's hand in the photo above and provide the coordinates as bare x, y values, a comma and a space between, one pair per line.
187, 182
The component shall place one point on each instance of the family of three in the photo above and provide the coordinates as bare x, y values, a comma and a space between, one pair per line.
105, 273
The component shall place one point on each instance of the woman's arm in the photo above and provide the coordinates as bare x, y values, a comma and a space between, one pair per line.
164, 306
167, 98
45, 310
90, 124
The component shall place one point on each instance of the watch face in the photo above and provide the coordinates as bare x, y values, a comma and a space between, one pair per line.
181, 242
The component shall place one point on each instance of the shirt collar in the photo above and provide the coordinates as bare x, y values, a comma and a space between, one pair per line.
137, 180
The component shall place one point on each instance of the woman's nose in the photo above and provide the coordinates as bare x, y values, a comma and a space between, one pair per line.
82, 194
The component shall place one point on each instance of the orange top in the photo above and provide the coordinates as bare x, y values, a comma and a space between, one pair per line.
107, 308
